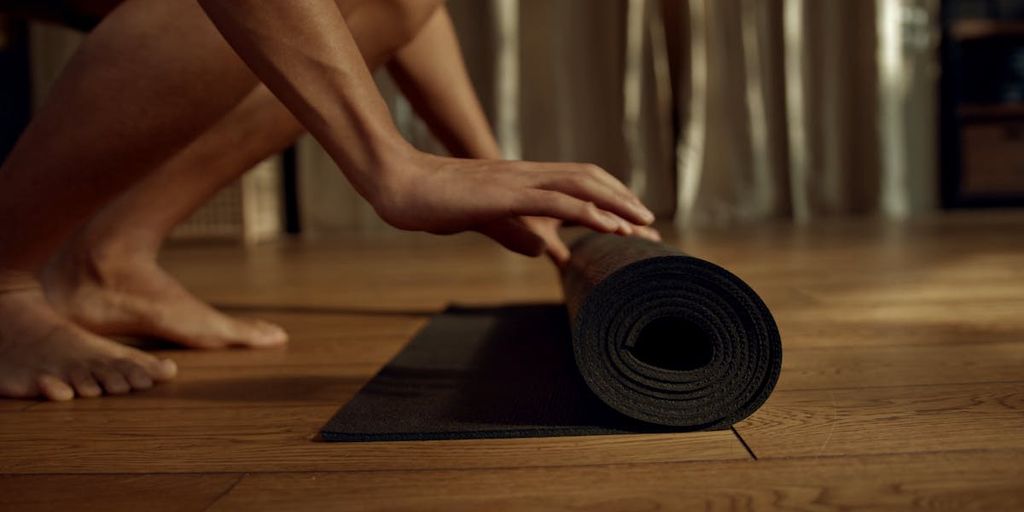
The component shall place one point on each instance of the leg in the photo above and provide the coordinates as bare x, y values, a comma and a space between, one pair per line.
126, 102
137, 101
107, 278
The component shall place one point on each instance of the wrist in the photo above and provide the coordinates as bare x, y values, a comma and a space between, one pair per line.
380, 162
479, 149
393, 177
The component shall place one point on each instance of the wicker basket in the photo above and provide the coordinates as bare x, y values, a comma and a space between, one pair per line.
248, 211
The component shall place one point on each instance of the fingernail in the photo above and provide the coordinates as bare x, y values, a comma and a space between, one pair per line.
644, 212
169, 367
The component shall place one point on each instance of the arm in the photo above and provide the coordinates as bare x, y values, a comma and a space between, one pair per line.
431, 73
304, 53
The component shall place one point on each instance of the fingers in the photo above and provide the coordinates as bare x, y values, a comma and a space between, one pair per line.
591, 183
586, 188
556, 248
516, 236
597, 173
559, 254
648, 233
547, 203
547, 229
530, 236
602, 196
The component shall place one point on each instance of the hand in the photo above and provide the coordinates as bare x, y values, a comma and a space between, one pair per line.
534, 236
497, 197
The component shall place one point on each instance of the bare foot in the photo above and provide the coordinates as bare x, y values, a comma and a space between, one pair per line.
44, 354
135, 297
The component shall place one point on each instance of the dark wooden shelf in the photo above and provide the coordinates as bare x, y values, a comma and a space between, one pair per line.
991, 111
965, 30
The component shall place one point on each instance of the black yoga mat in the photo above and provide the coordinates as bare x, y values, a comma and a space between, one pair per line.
649, 340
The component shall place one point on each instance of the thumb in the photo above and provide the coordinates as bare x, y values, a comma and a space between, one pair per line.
515, 236
547, 229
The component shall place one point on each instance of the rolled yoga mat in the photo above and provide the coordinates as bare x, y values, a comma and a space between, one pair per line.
659, 341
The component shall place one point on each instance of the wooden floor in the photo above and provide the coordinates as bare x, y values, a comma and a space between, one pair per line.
902, 387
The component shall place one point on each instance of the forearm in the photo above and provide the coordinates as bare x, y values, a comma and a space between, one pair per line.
305, 54
431, 73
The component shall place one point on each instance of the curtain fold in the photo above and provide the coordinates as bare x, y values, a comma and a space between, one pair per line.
713, 111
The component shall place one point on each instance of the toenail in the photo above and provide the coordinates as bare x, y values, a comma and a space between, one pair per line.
169, 367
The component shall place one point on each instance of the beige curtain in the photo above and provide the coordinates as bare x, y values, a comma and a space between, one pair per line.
807, 108
714, 111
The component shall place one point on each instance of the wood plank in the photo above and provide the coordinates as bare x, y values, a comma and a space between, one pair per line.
8, 405
281, 439
380, 273
918, 290
392, 271
113, 493
887, 420
904, 324
867, 367
812, 270
880, 323
336, 380
953, 481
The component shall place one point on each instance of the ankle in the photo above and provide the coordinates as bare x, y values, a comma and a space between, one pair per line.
102, 261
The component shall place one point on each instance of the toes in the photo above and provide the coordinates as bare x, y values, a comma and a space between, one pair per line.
19, 387
154, 369
54, 389
134, 373
111, 379
84, 383
159, 370
244, 333
268, 334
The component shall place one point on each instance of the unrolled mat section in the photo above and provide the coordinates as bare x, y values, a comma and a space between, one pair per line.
649, 340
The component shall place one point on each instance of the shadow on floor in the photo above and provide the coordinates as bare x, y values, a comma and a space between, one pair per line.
322, 310
294, 389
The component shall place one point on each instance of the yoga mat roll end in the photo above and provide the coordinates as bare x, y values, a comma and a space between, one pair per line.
666, 338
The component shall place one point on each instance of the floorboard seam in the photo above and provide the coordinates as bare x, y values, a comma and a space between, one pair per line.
909, 345
928, 385
743, 442
226, 492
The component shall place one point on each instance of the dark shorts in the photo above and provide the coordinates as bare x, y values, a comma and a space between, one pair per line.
78, 14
